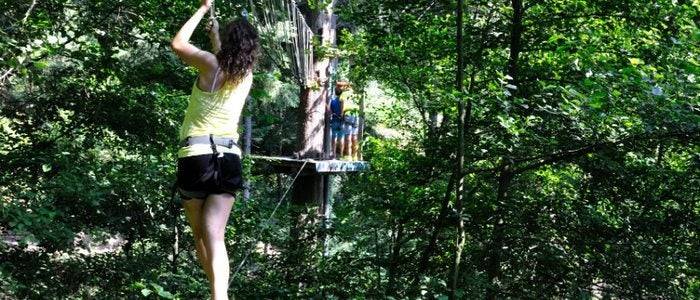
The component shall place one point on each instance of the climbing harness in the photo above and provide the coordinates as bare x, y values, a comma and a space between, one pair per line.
206, 139
260, 230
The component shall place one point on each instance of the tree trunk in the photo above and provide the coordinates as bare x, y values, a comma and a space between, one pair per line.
309, 190
312, 119
395, 259
493, 268
378, 262
432, 244
461, 236
516, 35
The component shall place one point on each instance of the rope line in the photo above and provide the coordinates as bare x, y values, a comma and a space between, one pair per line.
260, 231
293, 48
211, 11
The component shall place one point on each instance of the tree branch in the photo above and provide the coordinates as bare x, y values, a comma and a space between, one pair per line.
6, 74
562, 17
538, 161
569, 154
29, 11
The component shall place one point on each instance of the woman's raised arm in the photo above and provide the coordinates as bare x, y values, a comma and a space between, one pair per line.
204, 61
214, 35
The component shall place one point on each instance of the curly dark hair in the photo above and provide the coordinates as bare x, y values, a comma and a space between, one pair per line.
239, 49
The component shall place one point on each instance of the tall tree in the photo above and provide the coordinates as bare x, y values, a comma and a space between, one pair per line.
459, 85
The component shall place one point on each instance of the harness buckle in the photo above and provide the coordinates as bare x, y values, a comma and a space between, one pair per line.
213, 144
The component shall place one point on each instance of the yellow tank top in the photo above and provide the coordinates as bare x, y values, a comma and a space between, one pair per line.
349, 105
214, 113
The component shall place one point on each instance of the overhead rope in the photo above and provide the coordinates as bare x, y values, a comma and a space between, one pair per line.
286, 33
261, 229
212, 15
282, 19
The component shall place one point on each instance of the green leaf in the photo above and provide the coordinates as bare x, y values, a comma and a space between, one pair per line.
157, 287
636, 61
146, 292
42, 64
46, 167
165, 294
52, 39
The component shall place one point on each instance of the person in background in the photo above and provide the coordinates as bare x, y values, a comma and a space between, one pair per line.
351, 122
209, 161
337, 136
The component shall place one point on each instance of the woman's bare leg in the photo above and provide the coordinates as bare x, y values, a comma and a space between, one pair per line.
193, 211
338, 147
355, 147
215, 214
348, 146
333, 146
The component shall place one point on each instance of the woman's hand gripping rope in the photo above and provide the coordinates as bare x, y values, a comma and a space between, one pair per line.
212, 28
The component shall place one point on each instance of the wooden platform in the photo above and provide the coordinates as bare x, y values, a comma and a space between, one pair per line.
288, 164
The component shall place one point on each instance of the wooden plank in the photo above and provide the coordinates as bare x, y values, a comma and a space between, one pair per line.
312, 165
340, 166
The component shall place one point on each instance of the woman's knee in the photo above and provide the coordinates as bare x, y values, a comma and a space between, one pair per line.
215, 216
198, 233
214, 233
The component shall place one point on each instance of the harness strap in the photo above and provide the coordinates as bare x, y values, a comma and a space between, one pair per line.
213, 145
207, 139
213, 84
214, 166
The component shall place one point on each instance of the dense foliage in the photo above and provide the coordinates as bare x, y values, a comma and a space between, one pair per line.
581, 175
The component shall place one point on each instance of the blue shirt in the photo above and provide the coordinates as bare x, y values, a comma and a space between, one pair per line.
336, 109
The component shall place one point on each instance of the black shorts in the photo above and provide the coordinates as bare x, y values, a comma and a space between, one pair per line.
202, 175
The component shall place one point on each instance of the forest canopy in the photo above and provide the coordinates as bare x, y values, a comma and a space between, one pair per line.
519, 149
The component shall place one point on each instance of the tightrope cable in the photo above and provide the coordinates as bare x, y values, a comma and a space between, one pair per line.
260, 231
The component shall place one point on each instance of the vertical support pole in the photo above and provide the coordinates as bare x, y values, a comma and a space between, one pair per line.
361, 134
327, 117
331, 26
330, 38
326, 211
307, 200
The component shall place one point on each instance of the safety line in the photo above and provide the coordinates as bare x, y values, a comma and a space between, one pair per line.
268, 220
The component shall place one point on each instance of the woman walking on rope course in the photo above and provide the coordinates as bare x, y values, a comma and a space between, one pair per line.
209, 161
